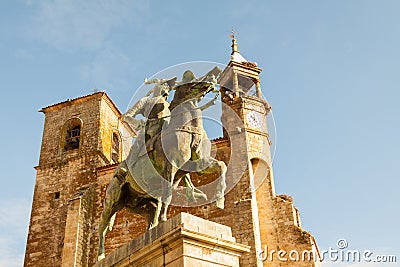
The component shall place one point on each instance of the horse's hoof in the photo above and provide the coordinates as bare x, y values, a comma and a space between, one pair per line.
101, 256
219, 203
152, 225
163, 218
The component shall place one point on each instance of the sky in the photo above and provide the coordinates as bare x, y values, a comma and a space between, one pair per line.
330, 72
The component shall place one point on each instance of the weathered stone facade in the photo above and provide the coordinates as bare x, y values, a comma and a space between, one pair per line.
66, 181
71, 183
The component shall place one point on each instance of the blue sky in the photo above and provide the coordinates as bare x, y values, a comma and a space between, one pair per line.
331, 73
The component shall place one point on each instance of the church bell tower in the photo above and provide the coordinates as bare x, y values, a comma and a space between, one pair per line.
273, 222
79, 136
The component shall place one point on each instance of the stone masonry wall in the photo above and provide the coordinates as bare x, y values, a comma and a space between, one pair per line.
55, 117
77, 229
62, 174
48, 217
108, 126
126, 226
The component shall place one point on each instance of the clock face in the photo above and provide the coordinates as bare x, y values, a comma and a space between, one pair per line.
254, 119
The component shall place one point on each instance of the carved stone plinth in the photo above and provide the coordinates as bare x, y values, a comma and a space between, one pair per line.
184, 240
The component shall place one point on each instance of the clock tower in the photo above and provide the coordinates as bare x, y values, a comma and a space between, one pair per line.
275, 221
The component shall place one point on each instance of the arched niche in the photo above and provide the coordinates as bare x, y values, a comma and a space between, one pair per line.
71, 134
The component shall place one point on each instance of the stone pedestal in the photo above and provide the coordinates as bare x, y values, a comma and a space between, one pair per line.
184, 240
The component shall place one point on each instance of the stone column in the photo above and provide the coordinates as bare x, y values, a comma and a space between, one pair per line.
75, 250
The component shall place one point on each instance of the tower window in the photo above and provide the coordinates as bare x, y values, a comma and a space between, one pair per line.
56, 195
115, 148
72, 140
72, 134
252, 91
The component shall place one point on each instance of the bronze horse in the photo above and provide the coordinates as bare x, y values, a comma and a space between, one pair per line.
159, 166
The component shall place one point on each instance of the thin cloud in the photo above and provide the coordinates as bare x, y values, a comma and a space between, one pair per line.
88, 28
23, 54
14, 220
14, 214
109, 69
74, 25
10, 256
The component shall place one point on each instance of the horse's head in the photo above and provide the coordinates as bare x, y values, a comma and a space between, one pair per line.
192, 88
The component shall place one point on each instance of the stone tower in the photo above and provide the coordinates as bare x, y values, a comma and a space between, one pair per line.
79, 136
267, 221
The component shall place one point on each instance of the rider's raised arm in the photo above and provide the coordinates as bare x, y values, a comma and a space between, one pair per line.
138, 108
150, 82
135, 110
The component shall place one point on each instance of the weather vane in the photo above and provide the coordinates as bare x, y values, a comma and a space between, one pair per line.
233, 34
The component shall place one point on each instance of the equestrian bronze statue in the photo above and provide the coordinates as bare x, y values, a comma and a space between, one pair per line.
171, 143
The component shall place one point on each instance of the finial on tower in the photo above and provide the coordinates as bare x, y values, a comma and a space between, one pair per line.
234, 44
235, 55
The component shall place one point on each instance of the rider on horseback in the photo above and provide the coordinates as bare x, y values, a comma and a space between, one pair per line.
156, 111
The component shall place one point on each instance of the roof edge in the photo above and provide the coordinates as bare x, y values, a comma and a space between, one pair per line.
70, 101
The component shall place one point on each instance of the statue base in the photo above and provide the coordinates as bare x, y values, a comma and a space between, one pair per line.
184, 240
